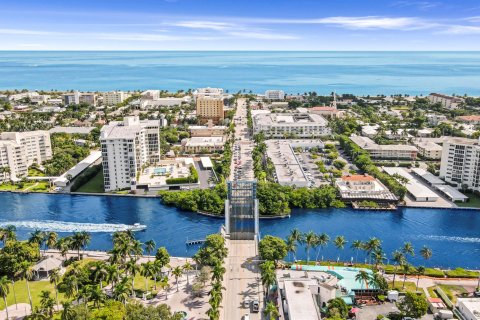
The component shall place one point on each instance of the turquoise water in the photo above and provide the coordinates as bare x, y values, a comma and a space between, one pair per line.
295, 72
453, 235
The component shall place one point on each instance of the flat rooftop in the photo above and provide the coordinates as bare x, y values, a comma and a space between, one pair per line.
427, 176
287, 167
413, 186
300, 301
368, 144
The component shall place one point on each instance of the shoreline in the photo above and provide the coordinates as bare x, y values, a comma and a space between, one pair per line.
220, 216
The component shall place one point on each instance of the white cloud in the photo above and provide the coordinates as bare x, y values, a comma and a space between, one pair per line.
211, 25
28, 32
262, 35
422, 5
376, 22
461, 29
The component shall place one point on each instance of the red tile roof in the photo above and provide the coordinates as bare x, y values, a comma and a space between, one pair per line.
358, 177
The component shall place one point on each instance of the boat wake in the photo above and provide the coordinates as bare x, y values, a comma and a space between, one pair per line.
449, 238
58, 226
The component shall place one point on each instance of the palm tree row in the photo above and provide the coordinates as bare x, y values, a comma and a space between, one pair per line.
372, 247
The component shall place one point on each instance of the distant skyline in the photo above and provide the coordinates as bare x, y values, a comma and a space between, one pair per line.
241, 25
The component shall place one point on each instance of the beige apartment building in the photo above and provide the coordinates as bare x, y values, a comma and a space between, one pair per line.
114, 97
12, 156
390, 151
209, 108
36, 144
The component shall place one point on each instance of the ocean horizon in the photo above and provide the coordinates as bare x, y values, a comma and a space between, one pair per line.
355, 72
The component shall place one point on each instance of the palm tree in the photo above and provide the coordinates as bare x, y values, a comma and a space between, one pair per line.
271, 311
408, 249
297, 237
426, 253
218, 272
37, 237
112, 273
164, 285
96, 295
51, 240
132, 268
377, 256
339, 243
323, 240
122, 290
406, 270
310, 238
47, 303
291, 246
177, 272
55, 279
371, 245
420, 272
7, 233
213, 314
27, 273
80, 240
399, 260
362, 277
67, 313
4, 291
63, 245
357, 246
70, 283
150, 247
99, 273
187, 267
147, 271
268, 275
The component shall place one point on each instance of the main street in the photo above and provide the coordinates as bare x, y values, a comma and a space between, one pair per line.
242, 277
242, 280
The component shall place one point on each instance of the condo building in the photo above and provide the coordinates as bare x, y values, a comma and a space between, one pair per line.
127, 146
13, 159
19, 150
275, 94
460, 165
37, 147
114, 97
77, 97
296, 125
210, 108
390, 151
208, 92
447, 102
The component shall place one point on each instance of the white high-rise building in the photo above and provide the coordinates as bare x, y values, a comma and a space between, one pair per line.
13, 162
36, 145
460, 164
215, 93
126, 146
71, 98
114, 97
275, 94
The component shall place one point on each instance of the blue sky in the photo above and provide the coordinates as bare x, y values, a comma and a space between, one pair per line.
240, 25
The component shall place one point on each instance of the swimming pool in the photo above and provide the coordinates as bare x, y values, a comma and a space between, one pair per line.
159, 171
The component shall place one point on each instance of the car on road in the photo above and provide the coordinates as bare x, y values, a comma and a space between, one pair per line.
477, 293
255, 306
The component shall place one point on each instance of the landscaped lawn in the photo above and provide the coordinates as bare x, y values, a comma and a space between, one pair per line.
473, 202
34, 186
409, 286
32, 172
95, 185
452, 291
36, 287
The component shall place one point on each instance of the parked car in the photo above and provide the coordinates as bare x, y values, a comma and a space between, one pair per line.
255, 306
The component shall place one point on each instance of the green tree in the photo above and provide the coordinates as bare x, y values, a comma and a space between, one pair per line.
363, 277
162, 257
340, 242
55, 279
4, 291
413, 305
47, 303
337, 308
357, 246
271, 311
310, 241
272, 248
150, 246
177, 273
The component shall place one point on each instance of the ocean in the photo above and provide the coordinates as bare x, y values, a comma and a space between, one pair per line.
359, 73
